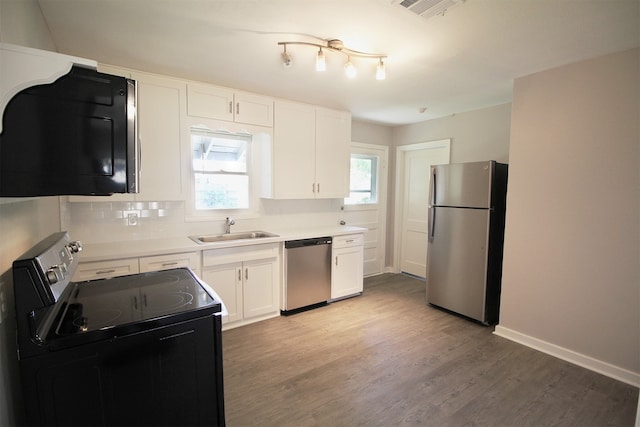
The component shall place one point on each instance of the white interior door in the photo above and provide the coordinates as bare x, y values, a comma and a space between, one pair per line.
413, 166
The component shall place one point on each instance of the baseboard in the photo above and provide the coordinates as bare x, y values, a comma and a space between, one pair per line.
571, 356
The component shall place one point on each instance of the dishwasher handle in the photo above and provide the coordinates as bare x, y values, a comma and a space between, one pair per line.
290, 244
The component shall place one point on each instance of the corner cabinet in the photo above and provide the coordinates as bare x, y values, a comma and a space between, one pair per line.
247, 279
347, 265
220, 103
309, 155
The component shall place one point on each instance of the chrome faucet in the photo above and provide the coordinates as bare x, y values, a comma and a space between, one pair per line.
228, 223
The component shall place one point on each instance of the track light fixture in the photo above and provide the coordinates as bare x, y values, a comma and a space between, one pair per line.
337, 46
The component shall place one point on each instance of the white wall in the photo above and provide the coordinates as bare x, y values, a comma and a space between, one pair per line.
571, 277
475, 135
22, 224
371, 133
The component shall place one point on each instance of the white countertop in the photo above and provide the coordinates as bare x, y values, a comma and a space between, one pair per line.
151, 247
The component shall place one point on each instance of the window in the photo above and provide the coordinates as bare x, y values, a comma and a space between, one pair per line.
363, 187
221, 169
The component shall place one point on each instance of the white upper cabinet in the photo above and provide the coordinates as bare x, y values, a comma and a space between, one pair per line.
333, 134
309, 155
220, 103
293, 158
161, 115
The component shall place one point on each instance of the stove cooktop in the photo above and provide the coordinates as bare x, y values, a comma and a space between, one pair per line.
106, 308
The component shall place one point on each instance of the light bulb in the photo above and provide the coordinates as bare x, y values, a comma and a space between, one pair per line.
349, 69
321, 63
286, 59
381, 73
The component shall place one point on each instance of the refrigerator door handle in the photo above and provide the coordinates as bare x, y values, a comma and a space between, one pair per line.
431, 222
432, 190
431, 217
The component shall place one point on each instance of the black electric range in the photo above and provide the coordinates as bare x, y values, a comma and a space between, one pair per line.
142, 349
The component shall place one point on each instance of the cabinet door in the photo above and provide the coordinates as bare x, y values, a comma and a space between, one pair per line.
161, 106
260, 294
210, 102
226, 280
293, 173
253, 109
333, 133
346, 272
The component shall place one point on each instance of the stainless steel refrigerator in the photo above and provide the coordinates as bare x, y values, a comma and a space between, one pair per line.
467, 204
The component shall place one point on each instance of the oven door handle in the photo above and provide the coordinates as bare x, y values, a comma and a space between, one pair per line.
179, 334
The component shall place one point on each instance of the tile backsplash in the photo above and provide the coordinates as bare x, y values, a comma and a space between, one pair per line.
119, 221
114, 221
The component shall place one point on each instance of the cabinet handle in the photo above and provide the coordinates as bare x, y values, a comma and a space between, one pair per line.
167, 264
336, 260
350, 241
239, 274
237, 108
230, 107
105, 272
318, 188
246, 274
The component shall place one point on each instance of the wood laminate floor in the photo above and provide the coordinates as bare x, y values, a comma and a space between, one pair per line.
386, 358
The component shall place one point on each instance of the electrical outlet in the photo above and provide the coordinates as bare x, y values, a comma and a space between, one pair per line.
131, 216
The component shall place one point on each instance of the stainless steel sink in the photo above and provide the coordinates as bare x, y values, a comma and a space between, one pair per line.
246, 235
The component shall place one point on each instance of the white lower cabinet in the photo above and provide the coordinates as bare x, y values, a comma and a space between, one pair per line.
347, 265
247, 279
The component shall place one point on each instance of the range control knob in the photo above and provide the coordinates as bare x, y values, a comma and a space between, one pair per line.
75, 246
54, 274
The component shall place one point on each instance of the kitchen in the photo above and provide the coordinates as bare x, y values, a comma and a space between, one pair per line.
509, 131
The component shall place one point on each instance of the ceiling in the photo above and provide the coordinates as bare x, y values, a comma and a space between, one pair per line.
460, 60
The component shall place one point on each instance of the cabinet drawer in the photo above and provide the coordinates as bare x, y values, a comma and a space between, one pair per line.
164, 262
348, 240
105, 269
239, 254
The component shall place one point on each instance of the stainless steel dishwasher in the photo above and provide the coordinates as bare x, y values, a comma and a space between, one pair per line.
308, 274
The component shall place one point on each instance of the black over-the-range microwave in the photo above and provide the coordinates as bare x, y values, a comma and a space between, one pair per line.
74, 136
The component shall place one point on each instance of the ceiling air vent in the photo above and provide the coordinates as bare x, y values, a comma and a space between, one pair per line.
429, 8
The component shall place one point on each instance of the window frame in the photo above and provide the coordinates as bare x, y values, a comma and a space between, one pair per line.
356, 150
259, 136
